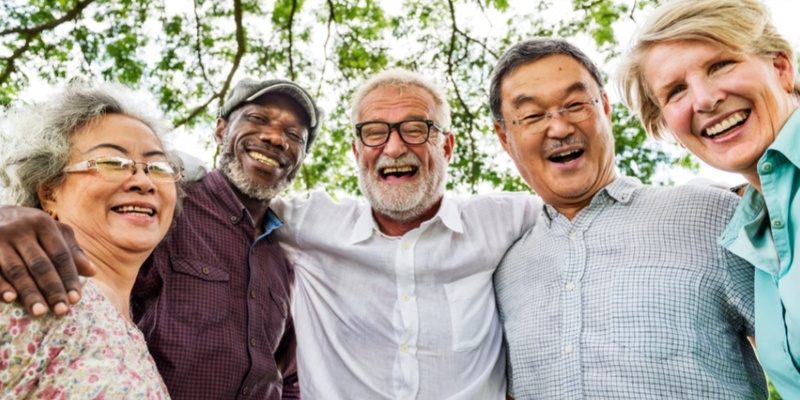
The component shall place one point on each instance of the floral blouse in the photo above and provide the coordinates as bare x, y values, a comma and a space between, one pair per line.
90, 353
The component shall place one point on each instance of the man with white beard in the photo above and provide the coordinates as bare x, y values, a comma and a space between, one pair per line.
394, 298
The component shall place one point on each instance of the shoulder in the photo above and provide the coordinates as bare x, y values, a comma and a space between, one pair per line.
503, 200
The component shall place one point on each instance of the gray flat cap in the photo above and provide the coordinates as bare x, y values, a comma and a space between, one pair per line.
248, 89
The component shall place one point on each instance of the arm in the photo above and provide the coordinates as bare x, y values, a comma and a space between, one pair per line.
39, 259
286, 359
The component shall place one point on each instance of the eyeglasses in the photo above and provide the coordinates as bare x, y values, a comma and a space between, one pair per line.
412, 131
121, 168
573, 113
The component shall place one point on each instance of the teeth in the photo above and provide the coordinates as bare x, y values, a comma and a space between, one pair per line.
134, 209
263, 159
394, 170
726, 124
566, 153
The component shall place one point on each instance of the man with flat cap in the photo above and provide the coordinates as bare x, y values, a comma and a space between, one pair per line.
213, 299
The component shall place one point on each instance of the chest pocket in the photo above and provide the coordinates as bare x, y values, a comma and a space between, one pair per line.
198, 292
472, 310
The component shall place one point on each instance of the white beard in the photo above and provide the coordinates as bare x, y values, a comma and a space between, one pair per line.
406, 201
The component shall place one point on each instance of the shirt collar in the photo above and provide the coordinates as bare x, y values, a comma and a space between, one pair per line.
223, 193
448, 213
787, 142
620, 190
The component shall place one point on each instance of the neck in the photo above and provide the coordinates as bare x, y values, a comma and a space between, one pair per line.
392, 227
753, 179
115, 280
257, 208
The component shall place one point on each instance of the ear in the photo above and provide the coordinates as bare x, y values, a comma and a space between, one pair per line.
501, 134
449, 145
355, 149
219, 132
48, 197
784, 67
606, 106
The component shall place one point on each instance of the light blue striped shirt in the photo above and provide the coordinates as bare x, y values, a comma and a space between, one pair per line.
631, 299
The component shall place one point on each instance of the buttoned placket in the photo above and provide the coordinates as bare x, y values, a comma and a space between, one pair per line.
406, 374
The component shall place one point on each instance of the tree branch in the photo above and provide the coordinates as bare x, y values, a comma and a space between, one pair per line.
291, 40
237, 59
70, 15
331, 19
197, 44
470, 116
11, 60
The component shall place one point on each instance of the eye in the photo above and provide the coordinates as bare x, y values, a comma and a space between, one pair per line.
257, 119
295, 136
575, 107
532, 118
112, 163
720, 65
674, 92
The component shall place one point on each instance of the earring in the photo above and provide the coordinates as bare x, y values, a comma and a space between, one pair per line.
53, 214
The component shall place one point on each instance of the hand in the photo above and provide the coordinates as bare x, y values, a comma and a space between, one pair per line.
39, 259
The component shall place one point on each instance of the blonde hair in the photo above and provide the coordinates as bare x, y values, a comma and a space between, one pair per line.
738, 26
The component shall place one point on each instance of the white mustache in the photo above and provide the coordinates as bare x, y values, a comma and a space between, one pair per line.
385, 161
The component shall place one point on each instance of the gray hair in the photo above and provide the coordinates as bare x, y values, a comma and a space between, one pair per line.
402, 78
529, 51
35, 140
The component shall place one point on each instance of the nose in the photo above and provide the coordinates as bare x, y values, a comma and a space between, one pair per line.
275, 137
140, 181
559, 127
705, 96
395, 146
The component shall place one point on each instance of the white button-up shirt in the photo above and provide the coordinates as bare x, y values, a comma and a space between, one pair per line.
410, 317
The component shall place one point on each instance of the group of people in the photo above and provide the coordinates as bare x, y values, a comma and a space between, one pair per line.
598, 287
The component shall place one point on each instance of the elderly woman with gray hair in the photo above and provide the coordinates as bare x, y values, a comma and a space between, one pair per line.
719, 77
93, 158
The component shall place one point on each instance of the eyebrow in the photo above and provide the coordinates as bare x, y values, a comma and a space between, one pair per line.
123, 150
523, 99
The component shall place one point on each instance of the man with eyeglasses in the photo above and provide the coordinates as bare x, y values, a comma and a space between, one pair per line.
213, 299
620, 290
394, 297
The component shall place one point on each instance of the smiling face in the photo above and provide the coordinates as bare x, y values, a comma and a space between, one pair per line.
130, 214
723, 107
567, 163
402, 181
263, 145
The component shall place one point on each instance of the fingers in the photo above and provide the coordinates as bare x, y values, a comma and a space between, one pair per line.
34, 257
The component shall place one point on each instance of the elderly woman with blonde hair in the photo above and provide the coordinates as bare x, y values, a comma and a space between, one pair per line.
718, 76
93, 158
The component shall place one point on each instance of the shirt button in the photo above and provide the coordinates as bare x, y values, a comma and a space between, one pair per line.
234, 218
568, 348
572, 236
206, 271
766, 167
246, 390
406, 246
252, 294
253, 342
570, 286
406, 297
404, 348
777, 223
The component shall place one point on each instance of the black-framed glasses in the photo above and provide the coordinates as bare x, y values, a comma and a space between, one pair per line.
412, 131
121, 168
573, 113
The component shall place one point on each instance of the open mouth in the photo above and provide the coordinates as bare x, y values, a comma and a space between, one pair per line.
726, 125
263, 159
398, 172
566, 156
134, 210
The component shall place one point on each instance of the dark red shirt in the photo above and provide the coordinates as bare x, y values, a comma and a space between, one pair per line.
213, 302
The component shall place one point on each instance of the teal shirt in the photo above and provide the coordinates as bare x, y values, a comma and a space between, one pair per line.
764, 231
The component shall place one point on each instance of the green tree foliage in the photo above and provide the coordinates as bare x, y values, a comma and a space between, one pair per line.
190, 52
